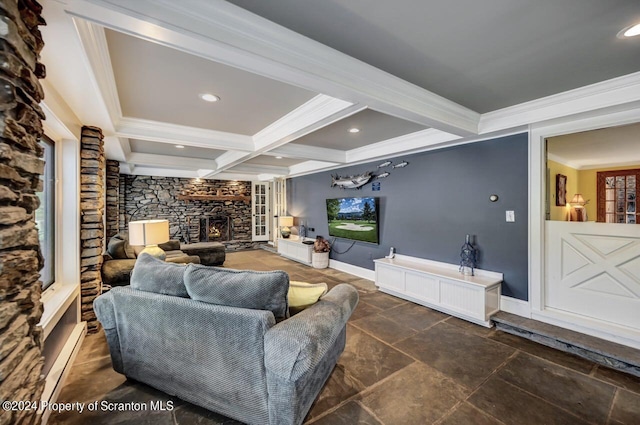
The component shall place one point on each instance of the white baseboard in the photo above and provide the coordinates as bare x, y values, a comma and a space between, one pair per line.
354, 270
61, 368
515, 306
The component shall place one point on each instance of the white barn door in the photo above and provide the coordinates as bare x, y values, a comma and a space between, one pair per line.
593, 271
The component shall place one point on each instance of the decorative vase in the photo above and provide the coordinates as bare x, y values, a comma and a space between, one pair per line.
467, 258
302, 232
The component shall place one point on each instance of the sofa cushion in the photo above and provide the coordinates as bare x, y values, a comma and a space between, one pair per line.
153, 275
239, 288
170, 245
302, 295
118, 247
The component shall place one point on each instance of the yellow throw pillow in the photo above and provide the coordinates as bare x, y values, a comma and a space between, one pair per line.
303, 295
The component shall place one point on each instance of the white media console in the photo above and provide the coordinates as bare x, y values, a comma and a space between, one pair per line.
294, 249
441, 286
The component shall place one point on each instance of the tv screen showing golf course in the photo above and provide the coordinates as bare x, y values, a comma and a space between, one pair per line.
353, 218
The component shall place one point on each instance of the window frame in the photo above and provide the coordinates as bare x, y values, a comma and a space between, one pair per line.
48, 198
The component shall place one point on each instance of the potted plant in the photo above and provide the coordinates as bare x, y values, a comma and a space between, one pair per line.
320, 256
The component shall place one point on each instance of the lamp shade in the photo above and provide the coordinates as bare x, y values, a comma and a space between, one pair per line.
148, 232
577, 199
286, 221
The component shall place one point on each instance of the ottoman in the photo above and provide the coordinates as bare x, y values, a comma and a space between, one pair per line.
210, 253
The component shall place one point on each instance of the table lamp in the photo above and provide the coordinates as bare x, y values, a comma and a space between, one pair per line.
578, 212
285, 223
149, 233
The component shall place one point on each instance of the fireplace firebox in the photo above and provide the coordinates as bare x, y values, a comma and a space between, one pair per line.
215, 229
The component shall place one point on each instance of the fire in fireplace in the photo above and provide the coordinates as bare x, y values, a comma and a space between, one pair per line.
215, 229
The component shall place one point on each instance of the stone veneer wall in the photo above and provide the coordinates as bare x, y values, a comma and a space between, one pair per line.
92, 183
160, 196
112, 201
21, 358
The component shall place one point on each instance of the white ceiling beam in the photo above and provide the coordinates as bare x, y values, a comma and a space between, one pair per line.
162, 132
228, 34
160, 172
617, 91
400, 145
310, 167
230, 175
318, 112
126, 168
260, 169
61, 122
294, 150
177, 162
116, 148
94, 43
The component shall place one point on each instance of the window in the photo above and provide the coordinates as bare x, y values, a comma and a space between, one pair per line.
45, 214
617, 196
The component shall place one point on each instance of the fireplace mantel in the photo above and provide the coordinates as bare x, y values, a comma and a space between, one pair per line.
187, 198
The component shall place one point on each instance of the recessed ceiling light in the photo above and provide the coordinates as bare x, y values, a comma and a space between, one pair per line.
179, 147
209, 97
631, 31
354, 130
278, 157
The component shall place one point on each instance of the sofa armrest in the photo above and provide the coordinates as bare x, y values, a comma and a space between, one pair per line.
296, 346
104, 309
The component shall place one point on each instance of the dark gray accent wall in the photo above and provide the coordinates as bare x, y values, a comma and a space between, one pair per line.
427, 207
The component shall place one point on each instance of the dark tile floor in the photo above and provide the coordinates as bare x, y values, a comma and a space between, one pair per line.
403, 364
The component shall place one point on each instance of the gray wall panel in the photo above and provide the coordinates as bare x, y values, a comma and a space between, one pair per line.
427, 207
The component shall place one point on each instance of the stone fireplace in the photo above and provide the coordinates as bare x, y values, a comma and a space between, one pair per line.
215, 229
198, 210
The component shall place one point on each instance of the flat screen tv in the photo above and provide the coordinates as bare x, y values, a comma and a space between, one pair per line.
353, 218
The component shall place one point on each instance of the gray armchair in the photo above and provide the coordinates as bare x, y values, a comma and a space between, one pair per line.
232, 360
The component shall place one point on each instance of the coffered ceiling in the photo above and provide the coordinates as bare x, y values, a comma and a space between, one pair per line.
294, 77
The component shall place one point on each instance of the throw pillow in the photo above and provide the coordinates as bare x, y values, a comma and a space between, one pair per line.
303, 295
153, 275
239, 288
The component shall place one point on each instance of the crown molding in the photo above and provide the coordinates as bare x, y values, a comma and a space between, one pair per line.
314, 114
598, 166
634, 164
617, 91
157, 131
562, 161
228, 34
94, 43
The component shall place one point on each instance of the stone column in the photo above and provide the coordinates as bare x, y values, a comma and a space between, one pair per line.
112, 199
21, 165
92, 176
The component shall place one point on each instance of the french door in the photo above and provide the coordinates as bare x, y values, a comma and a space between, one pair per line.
618, 195
260, 211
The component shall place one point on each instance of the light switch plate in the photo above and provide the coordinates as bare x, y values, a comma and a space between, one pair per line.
511, 216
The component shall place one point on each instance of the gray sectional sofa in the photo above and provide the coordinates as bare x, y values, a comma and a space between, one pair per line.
222, 339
